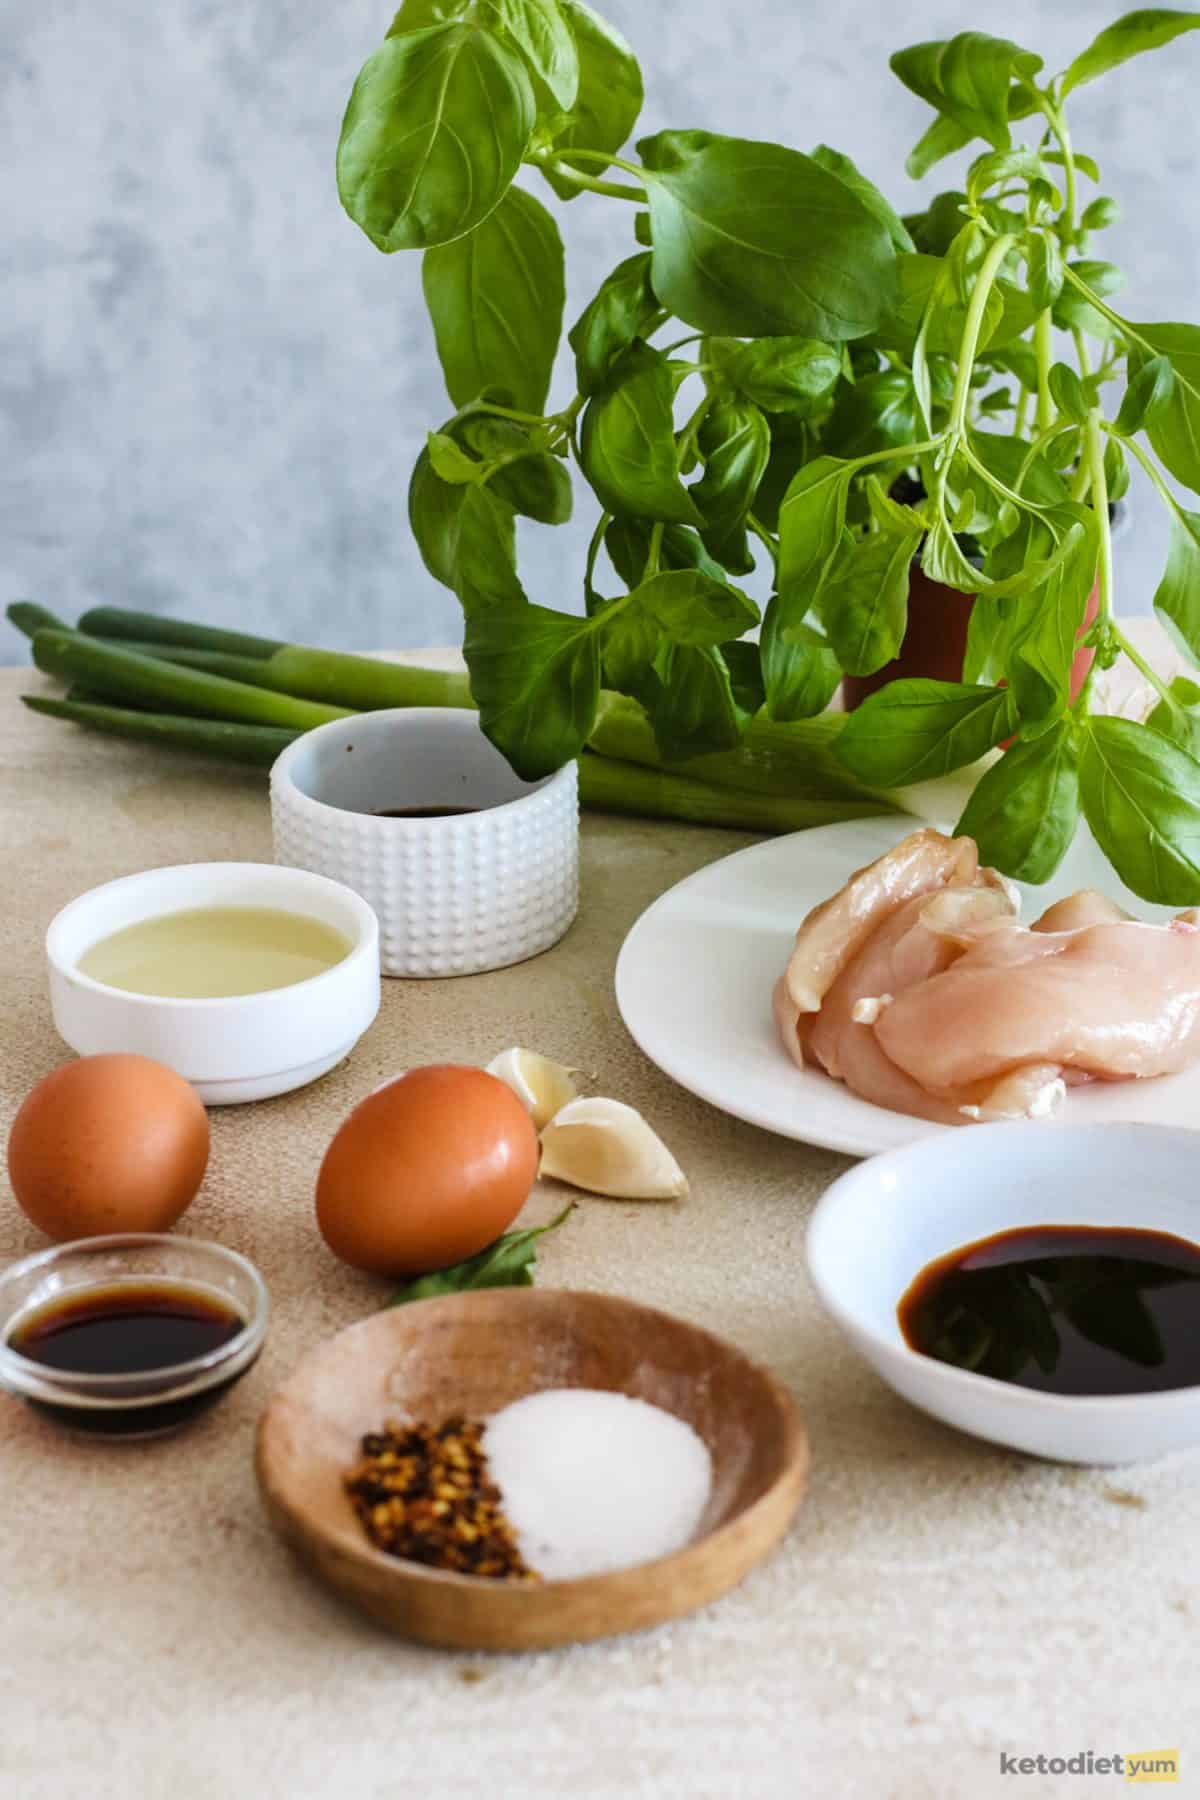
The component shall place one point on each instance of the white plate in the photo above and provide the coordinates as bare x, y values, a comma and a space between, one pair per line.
695, 974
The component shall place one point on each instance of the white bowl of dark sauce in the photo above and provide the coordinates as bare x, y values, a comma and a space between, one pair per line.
1034, 1285
131, 1335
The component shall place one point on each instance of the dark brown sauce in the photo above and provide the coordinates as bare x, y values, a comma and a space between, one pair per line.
425, 812
1066, 1309
131, 1328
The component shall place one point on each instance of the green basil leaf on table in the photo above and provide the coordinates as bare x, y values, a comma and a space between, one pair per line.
1137, 32
800, 671
1180, 721
625, 307
1024, 809
967, 79
509, 1262
1174, 432
1177, 601
627, 442
495, 297
753, 239
811, 521
435, 130
535, 484
849, 172
1141, 797
540, 30
877, 413
864, 599
535, 677
609, 96
917, 730
780, 374
734, 443
628, 544
1147, 395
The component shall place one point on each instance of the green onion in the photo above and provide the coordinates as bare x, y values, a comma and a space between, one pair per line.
256, 744
30, 618
124, 675
117, 622
607, 785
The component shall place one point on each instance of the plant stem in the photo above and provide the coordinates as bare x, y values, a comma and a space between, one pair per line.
654, 552
1094, 459
1043, 344
988, 271
1150, 466
1106, 312
597, 538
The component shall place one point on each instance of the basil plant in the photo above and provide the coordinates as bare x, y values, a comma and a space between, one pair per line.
785, 371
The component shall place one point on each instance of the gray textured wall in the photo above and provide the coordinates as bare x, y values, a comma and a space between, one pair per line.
212, 387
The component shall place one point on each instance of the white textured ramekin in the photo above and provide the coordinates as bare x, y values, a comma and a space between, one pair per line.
453, 895
248, 1047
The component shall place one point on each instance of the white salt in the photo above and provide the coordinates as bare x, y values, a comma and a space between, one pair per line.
593, 1480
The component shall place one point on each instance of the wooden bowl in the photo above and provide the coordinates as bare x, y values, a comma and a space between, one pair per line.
475, 1353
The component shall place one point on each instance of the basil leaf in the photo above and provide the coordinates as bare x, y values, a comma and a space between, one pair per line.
433, 508
1044, 269
1141, 797
941, 139
482, 553
697, 709
755, 240
864, 599
1177, 601
451, 463
625, 307
1181, 721
811, 521
690, 608
1024, 810
917, 277
1175, 430
496, 298
800, 671
868, 193
1136, 32
943, 559
934, 230
989, 628
435, 130
1066, 391
609, 96
1046, 626
782, 374
791, 447
1146, 396
917, 730
535, 484
509, 1262
535, 677
418, 15
627, 442
1116, 470
877, 413
1005, 457
543, 35
628, 544
967, 79
1072, 312
735, 444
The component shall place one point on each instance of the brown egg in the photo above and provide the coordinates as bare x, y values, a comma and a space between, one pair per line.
108, 1143
426, 1171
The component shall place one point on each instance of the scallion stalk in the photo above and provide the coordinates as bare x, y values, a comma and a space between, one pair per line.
258, 745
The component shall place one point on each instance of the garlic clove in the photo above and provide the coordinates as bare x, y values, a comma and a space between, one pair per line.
543, 1087
608, 1148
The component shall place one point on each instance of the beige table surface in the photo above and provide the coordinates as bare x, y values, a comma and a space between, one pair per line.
937, 1602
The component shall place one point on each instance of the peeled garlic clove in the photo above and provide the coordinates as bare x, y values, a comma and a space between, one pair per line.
607, 1147
543, 1087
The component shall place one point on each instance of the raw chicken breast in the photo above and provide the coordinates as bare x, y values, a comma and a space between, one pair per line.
837, 929
1087, 907
1111, 1000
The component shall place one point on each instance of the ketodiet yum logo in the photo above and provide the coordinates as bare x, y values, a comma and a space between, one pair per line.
1126, 1765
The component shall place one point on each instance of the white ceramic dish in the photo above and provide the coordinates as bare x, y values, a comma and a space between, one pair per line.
246, 1048
695, 974
455, 895
877, 1227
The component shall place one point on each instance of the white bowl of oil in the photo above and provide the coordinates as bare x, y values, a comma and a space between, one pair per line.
246, 978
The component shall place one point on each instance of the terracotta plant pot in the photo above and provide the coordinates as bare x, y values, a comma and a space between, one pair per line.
936, 641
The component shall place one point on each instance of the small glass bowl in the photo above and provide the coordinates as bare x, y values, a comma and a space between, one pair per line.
145, 1402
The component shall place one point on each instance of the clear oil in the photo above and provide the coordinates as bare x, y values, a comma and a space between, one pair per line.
214, 953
